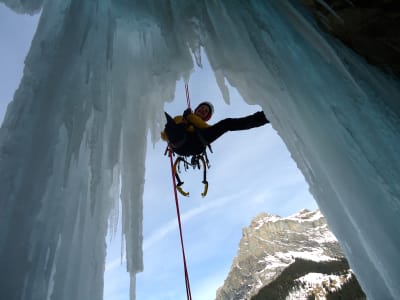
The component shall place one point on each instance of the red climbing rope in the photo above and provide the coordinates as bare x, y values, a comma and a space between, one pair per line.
187, 95
188, 293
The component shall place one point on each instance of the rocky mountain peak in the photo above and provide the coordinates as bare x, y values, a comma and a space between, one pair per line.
271, 244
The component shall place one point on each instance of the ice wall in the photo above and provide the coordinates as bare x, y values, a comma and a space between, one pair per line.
23, 6
95, 81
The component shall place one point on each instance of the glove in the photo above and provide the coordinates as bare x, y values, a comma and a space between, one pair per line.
187, 112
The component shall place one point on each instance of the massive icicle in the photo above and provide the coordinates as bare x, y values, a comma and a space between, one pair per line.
23, 6
95, 81
92, 84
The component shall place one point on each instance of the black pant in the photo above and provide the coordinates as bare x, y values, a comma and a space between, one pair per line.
213, 132
196, 142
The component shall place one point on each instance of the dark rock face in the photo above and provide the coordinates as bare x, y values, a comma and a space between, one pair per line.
339, 284
369, 27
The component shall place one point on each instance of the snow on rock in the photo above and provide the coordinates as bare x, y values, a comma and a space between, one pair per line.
270, 244
318, 285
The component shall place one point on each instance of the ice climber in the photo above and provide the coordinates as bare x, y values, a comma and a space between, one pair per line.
190, 133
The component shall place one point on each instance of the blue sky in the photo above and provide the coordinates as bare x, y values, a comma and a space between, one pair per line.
16, 32
251, 172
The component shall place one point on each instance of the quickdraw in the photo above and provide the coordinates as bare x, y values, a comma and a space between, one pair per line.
197, 161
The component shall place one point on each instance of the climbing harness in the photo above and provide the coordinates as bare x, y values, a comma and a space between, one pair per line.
196, 161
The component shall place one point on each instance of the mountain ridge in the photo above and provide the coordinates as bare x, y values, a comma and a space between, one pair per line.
284, 257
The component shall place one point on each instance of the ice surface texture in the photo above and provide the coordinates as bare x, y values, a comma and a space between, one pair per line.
94, 84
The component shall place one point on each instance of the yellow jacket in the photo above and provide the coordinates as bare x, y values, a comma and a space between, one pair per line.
193, 120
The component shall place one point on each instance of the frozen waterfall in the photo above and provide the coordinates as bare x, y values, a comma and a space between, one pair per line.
95, 81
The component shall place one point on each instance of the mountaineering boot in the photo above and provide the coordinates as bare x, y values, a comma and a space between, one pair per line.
259, 119
255, 120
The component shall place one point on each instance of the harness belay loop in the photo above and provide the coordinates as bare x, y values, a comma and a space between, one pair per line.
197, 161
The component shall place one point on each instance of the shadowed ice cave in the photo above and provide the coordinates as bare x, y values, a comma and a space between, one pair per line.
95, 81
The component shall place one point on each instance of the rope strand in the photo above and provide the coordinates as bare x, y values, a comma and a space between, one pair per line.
188, 292
187, 95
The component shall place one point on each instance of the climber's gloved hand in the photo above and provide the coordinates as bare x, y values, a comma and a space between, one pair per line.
187, 112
